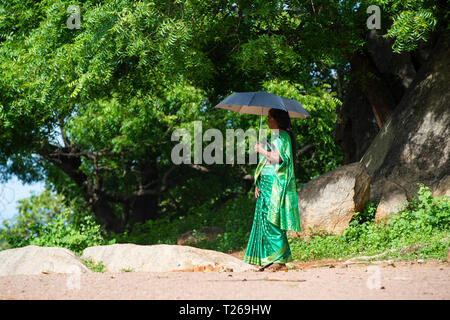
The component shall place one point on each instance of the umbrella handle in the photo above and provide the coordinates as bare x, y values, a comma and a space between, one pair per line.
260, 124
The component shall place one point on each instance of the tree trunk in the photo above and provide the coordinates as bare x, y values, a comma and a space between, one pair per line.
373, 86
69, 162
143, 208
104, 213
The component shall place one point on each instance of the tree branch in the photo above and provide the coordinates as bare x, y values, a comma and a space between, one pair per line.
305, 149
66, 141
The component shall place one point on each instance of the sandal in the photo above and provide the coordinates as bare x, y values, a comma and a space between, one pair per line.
273, 267
264, 267
276, 267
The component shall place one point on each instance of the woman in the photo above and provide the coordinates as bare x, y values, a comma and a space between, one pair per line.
276, 205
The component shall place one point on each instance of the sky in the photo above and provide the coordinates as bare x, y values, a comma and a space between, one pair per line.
11, 192
14, 190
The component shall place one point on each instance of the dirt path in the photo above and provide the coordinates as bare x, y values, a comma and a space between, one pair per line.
319, 280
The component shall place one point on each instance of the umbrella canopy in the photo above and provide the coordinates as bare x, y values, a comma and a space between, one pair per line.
260, 103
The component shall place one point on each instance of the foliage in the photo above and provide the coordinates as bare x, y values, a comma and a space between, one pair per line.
93, 266
43, 227
62, 233
37, 210
114, 90
235, 216
47, 220
90, 110
424, 220
412, 21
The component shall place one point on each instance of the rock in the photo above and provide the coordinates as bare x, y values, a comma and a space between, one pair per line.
328, 202
442, 188
200, 234
397, 69
38, 260
356, 126
392, 200
414, 145
163, 258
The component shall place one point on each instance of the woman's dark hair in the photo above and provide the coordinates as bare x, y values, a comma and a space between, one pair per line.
283, 121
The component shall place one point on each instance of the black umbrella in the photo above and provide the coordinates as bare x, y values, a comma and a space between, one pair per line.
260, 103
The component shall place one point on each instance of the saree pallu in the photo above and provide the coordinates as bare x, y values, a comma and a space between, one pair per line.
267, 243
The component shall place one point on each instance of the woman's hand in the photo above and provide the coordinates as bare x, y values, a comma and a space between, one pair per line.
257, 190
259, 148
273, 156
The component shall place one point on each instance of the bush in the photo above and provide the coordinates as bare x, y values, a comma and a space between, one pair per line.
62, 232
59, 232
424, 220
235, 216
46, 220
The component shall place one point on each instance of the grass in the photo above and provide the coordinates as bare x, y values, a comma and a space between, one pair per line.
95, 267
336, 247
235, 217
425, 222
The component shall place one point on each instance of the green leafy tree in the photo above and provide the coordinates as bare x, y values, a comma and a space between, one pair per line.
113, 90
49, 219
413, 21
91, 110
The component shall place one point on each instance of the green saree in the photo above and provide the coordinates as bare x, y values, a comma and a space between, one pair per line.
276, 208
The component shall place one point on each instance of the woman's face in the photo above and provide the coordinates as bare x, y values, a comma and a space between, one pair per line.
271, 122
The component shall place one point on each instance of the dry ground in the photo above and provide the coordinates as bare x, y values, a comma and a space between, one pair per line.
325, 279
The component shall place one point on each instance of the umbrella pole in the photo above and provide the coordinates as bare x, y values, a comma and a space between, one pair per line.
260, 124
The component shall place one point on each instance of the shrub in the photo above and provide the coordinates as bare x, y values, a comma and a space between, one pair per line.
235, 216
95, 267
62, 232
46, 220
424, 220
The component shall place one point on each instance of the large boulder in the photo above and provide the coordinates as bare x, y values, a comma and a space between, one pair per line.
414, 145
328, 202
356, 126
393, 199
442, 187
163, 258
37, 260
